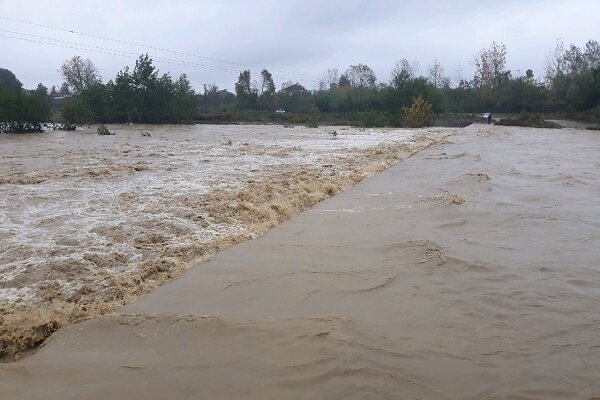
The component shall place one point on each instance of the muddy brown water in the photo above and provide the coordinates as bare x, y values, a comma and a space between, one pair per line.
468, 271
89, 223
74, 203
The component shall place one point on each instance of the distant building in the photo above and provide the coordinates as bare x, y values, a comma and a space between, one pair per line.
293, 89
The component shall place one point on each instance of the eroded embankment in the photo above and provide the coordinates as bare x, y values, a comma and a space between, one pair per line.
85, 276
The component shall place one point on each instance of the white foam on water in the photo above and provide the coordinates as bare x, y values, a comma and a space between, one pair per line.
99, 196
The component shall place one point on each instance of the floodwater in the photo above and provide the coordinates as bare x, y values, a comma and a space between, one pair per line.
88, 223
468, 271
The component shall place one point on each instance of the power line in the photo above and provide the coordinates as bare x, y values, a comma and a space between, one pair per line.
58, 40
108, 50
308, 77
112, 51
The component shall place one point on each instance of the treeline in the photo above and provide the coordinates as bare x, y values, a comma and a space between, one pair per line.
570, 83
138, 96
21, 110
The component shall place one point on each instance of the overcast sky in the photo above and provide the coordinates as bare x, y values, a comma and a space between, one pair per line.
294, 39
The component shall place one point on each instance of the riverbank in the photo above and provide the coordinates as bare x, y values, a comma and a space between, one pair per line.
365, 119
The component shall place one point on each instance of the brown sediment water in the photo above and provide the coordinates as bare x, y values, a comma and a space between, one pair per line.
88, 223
468, 271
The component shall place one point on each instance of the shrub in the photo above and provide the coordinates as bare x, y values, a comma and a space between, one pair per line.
22, 112
420, 113
76, 113
312, 123
528, 120
373, 119
102, 130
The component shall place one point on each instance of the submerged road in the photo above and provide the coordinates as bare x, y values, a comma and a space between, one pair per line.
468, 271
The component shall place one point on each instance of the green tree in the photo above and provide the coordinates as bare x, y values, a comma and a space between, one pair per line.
124, 97
79, 74
141, 95
245, 93
361, 76
585, 91
522, 94
267, 85
42, 90
592, 54
9, 81
266, 90
64, 90
490, 69
213, 97
145, 83
20, 111
99, 101
356, 83
296, 98
344, 81
76, 113
405, 86
184, 104
145, 74
400, 91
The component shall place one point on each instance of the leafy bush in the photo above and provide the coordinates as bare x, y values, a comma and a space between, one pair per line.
592, 115
102, 130
312, 123
529, 120
22, 111
77, 113
373, 119
420, 113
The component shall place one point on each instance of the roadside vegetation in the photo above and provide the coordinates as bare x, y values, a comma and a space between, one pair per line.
569, 87
529, 120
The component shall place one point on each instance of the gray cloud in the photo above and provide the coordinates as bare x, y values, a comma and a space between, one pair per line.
298, 37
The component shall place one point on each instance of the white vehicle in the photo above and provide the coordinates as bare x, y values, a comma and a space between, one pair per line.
487, 117
280, 110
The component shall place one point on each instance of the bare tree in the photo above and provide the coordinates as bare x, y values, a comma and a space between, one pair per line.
446, 83
435, 73
79, 74
564, 64
406, 68
403, 72
490, 68
459, 77
555, 62
575, 61
555, 72
361, 77
329, 80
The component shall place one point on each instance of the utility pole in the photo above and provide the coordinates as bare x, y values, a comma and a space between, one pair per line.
205, 103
